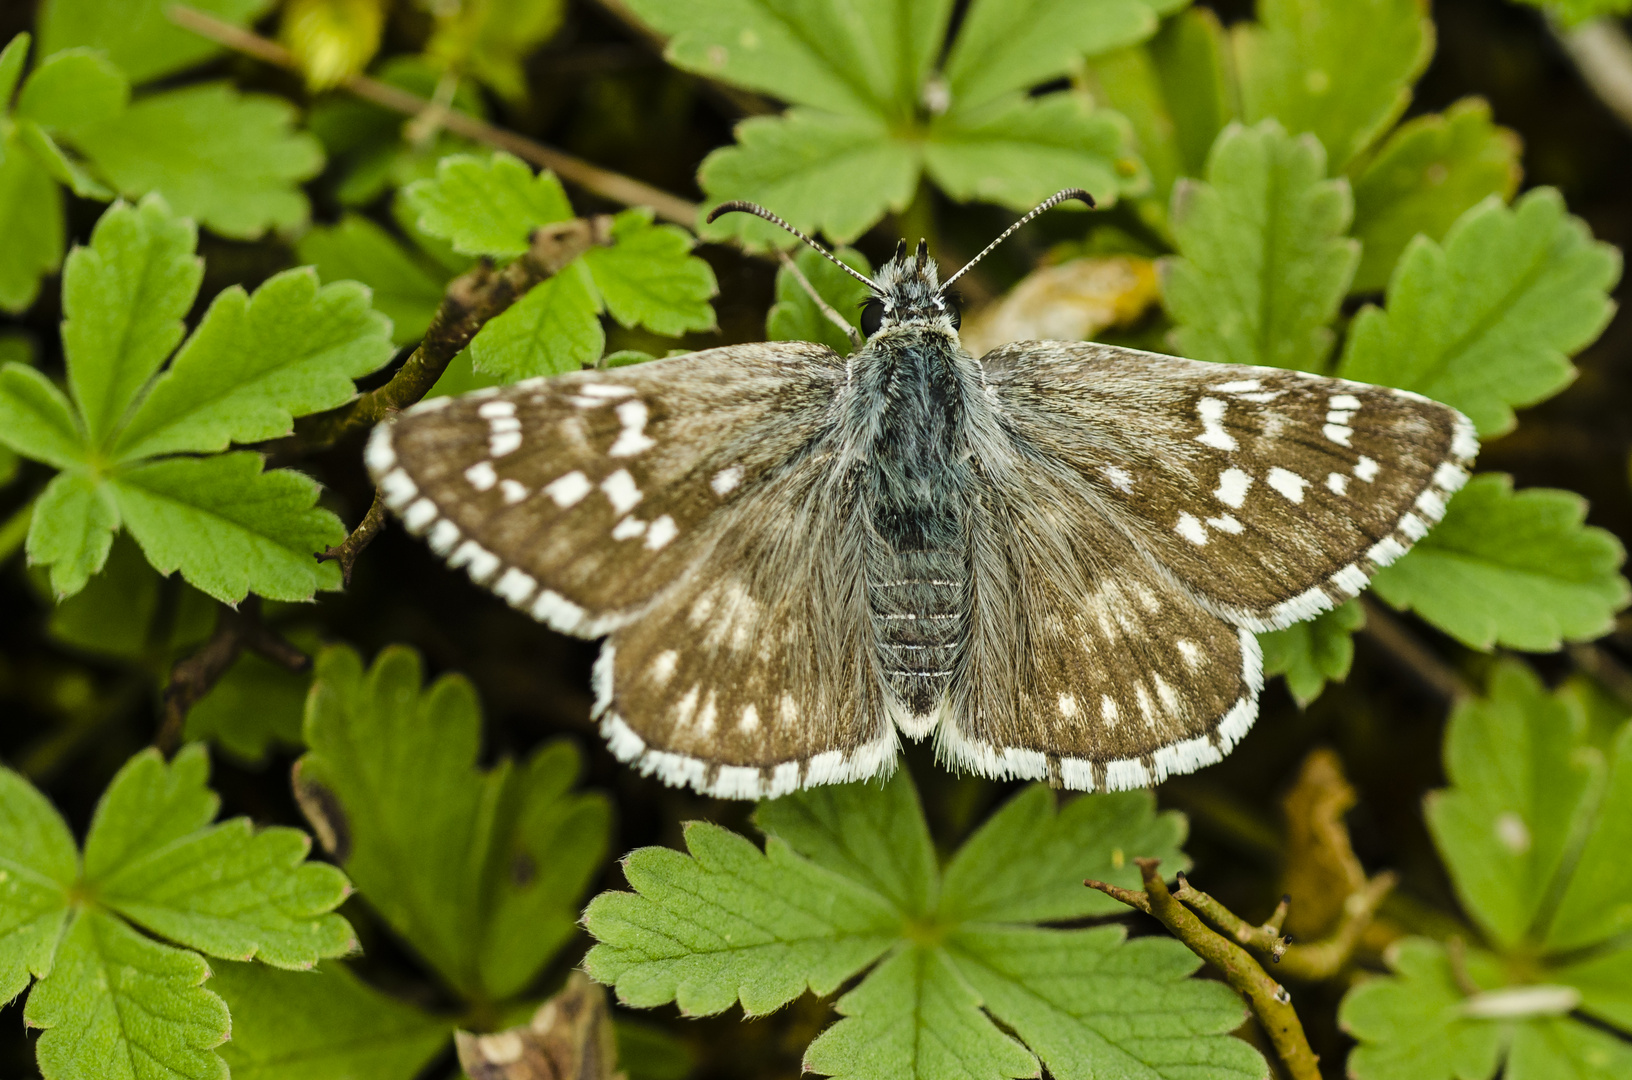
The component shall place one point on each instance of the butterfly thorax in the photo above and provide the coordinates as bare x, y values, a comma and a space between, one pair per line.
913, 390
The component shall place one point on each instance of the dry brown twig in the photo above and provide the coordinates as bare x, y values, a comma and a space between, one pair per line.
193, 676
1270, 1002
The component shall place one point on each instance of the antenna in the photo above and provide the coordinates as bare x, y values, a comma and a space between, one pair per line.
1047, 204
739, 206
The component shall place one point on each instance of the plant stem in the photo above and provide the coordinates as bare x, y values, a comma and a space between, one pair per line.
1268, 999
592, 178
346, 552
15, 529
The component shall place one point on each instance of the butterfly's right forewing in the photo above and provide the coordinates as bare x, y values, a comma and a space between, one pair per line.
579, 498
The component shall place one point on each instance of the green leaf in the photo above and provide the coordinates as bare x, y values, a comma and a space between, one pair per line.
1428, 173
1411, 1026
123, 299
119, 1006
1516, 569
1017, 151
892, 856
794, 316
848, 877
13, 58
255, 363
72, 530
322, 1025
732, 923
1092, 1005
136, 34
1263, 263
1574, 12
404, 289
479, 871
555, 327
860, 60
230, 528
37, 867
1488, 321
1027, 862
229, 890
231, 161
1342, 72
32, 223
37, 420
649, 278
1518, 791
1311, 654
924, 984
487, 207
1008, 45
1597, 904
73, 88
825, 173
63, 167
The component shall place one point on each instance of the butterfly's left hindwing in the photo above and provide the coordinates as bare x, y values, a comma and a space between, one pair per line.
1272, 495
579, 498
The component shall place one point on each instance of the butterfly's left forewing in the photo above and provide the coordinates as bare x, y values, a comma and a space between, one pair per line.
579, 498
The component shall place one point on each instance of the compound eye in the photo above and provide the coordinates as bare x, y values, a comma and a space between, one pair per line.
872, 317
952, 310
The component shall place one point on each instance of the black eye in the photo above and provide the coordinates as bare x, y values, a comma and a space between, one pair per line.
872, 316
952, 309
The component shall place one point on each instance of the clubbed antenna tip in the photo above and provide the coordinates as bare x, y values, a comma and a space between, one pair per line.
1047, 204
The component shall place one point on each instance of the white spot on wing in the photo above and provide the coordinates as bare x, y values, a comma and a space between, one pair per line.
1337, 433
633, 438
493, 410
726, 480
1068, 706
1108, 710
516, 586
1337, 483
1240, 386
605, 390
514, 490
1119, 478
628, 528
568, 489
1187, 649
1232, 487
501, 443
1211, 412
1365, 469
1343, 401
663, 665
621, 491
1191, 528
660, 533
750, 720
481, 475
419, 516
444, 534
1288, 483
1227, 523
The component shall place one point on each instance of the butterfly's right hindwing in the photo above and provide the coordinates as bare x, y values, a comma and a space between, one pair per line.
579, 498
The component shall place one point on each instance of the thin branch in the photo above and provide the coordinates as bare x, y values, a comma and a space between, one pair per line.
1603, 56
1312, 962
1269, 1001
346, 552
471, 300
1409, 651
1610, 674
236, 629
821, 305
592, 178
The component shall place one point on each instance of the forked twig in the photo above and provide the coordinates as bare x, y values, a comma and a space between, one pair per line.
1268, 999
345, 553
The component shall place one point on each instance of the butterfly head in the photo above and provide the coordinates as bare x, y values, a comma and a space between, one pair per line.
907, 290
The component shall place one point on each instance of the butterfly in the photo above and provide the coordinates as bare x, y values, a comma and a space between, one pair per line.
1052, 560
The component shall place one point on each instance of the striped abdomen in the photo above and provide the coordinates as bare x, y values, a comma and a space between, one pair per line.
918, 605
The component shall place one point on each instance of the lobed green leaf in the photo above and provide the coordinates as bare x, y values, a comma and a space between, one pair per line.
486, 207
73, 88
123, 300
31, 220
1340, 71
119, 1006
229, 527
555, 327
649, 278
257, 362
136, 34
37, 420
1517, 569
38, 865
1488, 321
72, 530
480, 871
795, 317
1263, 263
230, 161
1427, 173
1312, 653
402, 287
1596, 906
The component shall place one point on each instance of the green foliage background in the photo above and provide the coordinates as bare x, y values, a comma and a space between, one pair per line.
343, 865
